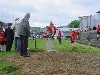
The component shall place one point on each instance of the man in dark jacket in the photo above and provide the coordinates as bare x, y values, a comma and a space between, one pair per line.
24, 32
10, 37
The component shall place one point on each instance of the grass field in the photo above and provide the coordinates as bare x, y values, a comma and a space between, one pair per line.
8, 67
65, 46
40, 45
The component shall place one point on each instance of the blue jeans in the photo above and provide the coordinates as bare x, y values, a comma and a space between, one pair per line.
17, 44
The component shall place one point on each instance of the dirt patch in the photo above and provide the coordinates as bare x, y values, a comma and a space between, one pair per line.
57, 63
49, 46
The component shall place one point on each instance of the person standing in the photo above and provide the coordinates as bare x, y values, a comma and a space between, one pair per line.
2, 37
94, 27
59, 37
72, 34
16, 36
98, 31
9, 33
24, 33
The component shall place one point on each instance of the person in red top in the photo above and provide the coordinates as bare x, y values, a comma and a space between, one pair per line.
49, 28
72, 33
59, 37
2, 37
98, 31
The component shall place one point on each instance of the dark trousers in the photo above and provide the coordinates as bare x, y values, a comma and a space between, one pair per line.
24, 45
17, 44
59, 39
9, 44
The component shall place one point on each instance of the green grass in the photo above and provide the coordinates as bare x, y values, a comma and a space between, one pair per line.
40, 45
65, 46
5, 54
8, 68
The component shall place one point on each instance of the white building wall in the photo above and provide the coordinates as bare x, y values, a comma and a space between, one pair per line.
65, 31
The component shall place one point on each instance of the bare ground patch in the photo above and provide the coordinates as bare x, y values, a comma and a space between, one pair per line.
57, 63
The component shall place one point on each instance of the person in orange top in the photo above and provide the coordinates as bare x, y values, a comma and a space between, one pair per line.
2, 37
72, 34
50, 29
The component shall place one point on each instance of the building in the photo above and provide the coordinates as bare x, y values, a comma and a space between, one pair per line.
65, 31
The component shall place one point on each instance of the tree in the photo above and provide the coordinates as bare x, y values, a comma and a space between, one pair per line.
74, 24
1, 22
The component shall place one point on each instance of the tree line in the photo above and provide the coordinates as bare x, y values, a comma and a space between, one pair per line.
74, 24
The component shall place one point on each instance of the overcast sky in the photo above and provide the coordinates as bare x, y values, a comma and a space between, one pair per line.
60, 12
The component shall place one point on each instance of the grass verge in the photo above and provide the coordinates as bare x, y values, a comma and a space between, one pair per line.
8, 68
65, 46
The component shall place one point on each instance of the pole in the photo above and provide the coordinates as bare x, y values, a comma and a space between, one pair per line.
87, 21
90, 20
35, 40
94, 20
81, 22
98, 16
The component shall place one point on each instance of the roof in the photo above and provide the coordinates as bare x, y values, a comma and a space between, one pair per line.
67, 29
